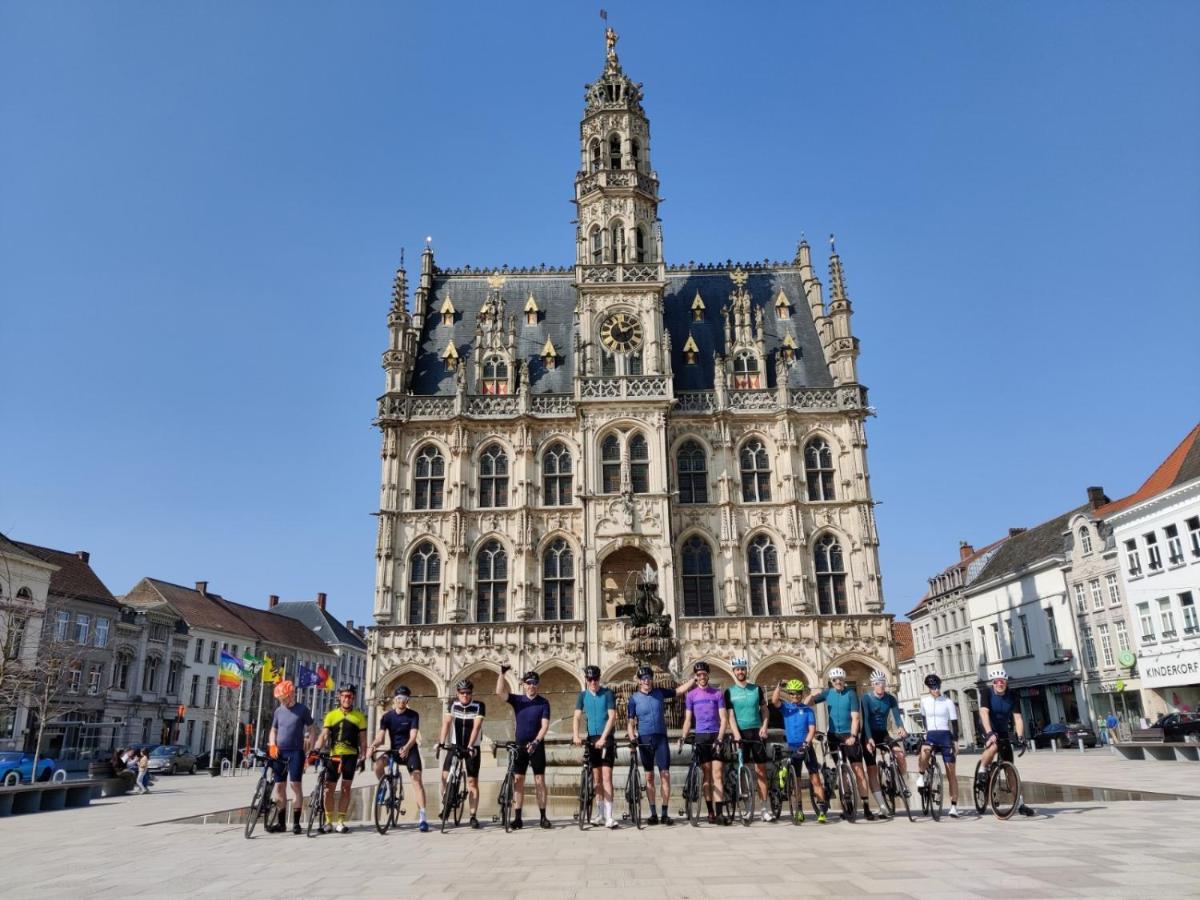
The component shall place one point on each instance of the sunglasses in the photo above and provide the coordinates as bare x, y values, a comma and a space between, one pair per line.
592, 678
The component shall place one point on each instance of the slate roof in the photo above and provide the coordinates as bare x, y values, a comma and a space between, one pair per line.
1180, 467
197, 610
1022, 550
903, 639
971, 566
74, 578
277, 629
311, 615
556, 297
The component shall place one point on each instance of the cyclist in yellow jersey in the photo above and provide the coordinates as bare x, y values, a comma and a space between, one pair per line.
345, 733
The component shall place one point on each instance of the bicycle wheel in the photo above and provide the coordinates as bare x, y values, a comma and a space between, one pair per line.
505, 800
633, 796
979, 791
462, 799
745, 794
450, 796
933, 776
255, 810
691, 795
847, 791
1004, 790
795, 804
887, 786
585, 798
903, 793
316, 809
385, 806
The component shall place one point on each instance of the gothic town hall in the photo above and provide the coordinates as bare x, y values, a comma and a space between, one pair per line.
555, 437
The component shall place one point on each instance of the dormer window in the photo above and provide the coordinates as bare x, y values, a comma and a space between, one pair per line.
789, 349
697, 309
783, 308
450, 357
614, 152
531, 310
447, 311
690, 350
745, 372
495, 376
549, 354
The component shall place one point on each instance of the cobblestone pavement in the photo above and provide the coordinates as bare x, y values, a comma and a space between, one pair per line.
127, 846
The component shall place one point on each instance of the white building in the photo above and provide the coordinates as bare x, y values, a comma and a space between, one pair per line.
1157, 533
24, 587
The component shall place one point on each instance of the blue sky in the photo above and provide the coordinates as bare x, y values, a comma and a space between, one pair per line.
201, 208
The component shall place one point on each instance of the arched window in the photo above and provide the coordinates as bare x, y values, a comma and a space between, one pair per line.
640, 248
595, 156
756, 472
745, 372
556, 475
610, 465
831, 577
1085, 539
635, 151
614, 152
491, 583
424, 585
692, 467
639, 464
763, 565
618, 242
493, 477
699, 596
818, 470
597, 246
558, 581
495, 376
429, 476
124, 665
150, 674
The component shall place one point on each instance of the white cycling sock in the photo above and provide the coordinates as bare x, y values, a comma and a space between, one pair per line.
878, 798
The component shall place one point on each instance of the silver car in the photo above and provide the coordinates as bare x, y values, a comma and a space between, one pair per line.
172, 759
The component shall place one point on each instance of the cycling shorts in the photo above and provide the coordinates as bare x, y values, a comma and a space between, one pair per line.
706, 746
291, 761
655, 751
1004, 748
852, 752
807, 757
526, 760
753, 751
881, 739
605, 757
943, 742
342, 767
470, 763
411, 760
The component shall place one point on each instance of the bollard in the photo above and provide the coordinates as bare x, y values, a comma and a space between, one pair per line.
1081, 745
1053, 746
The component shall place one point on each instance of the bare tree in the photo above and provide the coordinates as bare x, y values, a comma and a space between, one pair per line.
53, 685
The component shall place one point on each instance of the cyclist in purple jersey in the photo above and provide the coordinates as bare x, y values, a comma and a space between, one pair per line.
705, 705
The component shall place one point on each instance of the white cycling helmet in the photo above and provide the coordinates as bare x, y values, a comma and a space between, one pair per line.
739, 662
997, 675
878, 677
837, 672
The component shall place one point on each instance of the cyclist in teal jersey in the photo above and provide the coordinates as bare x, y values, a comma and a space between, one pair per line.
845, 723
877, 707
747, 704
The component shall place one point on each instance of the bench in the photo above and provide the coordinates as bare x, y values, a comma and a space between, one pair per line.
31, 798
1160, 750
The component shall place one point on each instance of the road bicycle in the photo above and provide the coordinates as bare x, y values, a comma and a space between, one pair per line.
316, 800
508, 785
455, 793
263, 806
999, 785
892, 784
634, 788
779, 788
587, 785
932, 790
692, 784
837, 777
739, 781
389, 796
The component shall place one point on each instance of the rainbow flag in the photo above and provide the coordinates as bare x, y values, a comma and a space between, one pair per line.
324, 679
229, 674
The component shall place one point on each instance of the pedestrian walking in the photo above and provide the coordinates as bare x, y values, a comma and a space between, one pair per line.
143, 772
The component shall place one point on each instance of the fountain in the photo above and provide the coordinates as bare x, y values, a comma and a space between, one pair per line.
651, 642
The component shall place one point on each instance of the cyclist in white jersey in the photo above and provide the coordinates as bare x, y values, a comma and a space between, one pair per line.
941, 734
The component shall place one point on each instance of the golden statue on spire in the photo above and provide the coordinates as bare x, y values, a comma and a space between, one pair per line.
610, 36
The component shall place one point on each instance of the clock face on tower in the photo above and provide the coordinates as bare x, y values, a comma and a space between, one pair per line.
621, 333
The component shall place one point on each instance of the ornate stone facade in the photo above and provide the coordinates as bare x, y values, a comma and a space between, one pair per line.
702, 424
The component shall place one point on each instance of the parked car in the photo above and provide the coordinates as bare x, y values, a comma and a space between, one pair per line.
172, 759
1176, 725
1065, 735
16, 767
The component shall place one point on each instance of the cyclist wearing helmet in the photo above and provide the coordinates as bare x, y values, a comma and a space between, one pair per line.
705, 705
598, 705
747, 706
465, 715
345, 732
532, 715
799, 727
845, 723
289, 740
646, 718
402, 727
941, 734
1000, 714
877, 707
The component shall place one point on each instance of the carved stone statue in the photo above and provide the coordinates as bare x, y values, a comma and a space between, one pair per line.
610, 41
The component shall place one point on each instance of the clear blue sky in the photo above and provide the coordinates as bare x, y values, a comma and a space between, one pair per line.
201, 207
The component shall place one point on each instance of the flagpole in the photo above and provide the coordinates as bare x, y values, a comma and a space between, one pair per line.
258, 718
212, 746
238, 716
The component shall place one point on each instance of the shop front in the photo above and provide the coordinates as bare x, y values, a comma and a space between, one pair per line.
1170, 681
1043, 704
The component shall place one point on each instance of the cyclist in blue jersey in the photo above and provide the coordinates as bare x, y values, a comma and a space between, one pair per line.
1000, 714
845, 724
531, 714
646, 719
799, 727
877, 707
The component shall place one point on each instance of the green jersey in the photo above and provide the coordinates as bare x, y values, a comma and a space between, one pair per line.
746, 703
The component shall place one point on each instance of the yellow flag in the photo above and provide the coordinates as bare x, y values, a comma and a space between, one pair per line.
268, 670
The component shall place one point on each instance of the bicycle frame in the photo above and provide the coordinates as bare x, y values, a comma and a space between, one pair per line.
634, 789
507, 786
455, 793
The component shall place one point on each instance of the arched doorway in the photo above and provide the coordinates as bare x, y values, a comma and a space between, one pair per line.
562, 689
426, 700
619, 578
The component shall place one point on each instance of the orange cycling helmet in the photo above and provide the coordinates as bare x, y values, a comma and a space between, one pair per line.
283, 689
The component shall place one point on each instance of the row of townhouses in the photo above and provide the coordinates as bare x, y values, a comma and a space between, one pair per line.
143, 668
1090, 613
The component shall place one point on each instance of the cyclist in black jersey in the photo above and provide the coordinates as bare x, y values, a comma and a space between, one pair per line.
1000, 714
464, 719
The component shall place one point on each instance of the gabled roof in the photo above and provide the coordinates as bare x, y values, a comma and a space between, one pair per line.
966, 564
1180, 467
1020, 551
197, 609
322, 622
74, 578
902, 638
277, 629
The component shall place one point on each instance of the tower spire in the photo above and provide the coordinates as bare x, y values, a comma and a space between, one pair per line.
400, 286
837, 278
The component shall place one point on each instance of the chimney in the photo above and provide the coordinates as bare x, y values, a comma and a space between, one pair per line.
964, 550
350, 624
1096, 498
272, 601
84, 555
321, 601
202, 588
1013, 532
